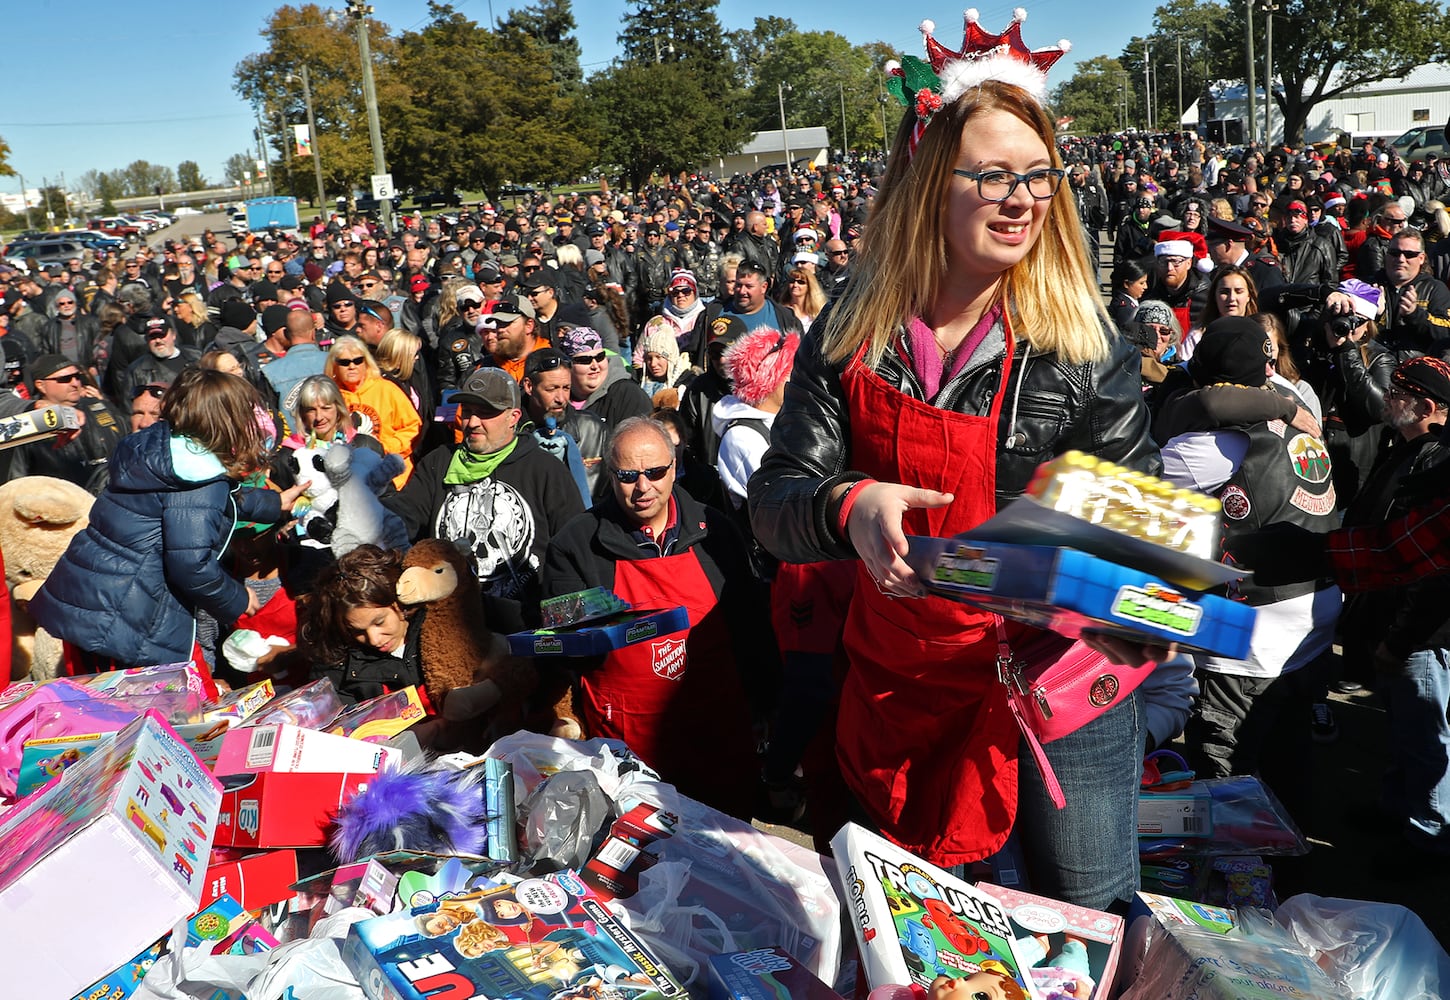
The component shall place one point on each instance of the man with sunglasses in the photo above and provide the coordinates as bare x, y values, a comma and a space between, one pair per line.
1417, 304
1305, 258
81, 459
341, 304
678, 700
497, 493
598, 380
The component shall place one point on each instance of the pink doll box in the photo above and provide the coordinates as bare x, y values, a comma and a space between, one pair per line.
1045, 926
291, 749
131, 823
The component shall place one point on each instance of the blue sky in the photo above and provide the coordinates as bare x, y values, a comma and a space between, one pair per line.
97, 85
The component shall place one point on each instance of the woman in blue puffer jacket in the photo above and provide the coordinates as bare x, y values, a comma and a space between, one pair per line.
128, 588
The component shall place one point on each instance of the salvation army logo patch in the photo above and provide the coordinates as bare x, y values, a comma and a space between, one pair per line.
667, 657
1235, 502
1309, 458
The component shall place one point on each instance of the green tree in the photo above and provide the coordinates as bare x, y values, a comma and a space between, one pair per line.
269, 80
1321, 49
239, 167
822, 71
751, 45
481, 107
652, 119
1096, 97
188, 176
6, 170
143, 178
550, 23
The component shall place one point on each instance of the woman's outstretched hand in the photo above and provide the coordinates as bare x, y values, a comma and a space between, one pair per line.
874, 527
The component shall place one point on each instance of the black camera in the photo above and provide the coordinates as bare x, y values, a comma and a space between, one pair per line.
1343, 326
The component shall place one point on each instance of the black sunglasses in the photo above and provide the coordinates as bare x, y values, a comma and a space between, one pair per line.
584, 360
62, 379
654, 474
349, 362
548, 363
468, 304
155, 391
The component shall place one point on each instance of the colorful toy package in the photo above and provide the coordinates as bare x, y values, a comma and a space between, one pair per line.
1067, 591
255, 879
241, 704
134, 821
1072, 951
380, 719
283, 809
281, 748
539, 939
915, 922
600, 635
45, 759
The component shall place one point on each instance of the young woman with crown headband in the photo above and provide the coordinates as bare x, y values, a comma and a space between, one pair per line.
970, 346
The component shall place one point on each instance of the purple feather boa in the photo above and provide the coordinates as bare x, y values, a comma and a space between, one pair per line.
422, 806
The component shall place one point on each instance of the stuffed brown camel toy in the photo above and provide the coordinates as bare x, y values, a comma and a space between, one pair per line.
467, 668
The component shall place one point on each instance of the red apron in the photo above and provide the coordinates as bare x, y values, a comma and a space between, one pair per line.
677, 700
925, 738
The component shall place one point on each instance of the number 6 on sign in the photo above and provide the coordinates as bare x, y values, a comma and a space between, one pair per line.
382, 186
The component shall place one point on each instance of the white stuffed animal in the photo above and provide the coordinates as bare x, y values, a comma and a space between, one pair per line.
319, 496
359, 474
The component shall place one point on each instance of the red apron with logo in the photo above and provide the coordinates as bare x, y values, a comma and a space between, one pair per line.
677, 700
925, 738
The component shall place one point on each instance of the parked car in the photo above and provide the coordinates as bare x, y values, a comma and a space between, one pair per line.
92, 240
142, 222
186, 210
429, 200
163, 219
115, 225
238, 220
43, 253
1418, 143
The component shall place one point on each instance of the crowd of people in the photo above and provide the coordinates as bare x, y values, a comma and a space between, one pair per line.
737, 397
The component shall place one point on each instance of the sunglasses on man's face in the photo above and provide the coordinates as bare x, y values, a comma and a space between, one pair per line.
62, 379
631, 476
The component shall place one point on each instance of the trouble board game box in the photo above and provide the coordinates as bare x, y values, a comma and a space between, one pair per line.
1066, 591
601, 636
763, 973
915, 922
1072, 951
280, 809
534, 940
128, 827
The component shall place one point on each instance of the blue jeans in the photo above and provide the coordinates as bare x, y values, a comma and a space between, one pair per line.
1086, 853
1418, 781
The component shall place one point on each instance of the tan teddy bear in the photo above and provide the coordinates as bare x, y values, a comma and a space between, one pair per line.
38, 517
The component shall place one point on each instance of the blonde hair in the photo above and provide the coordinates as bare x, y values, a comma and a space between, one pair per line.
348, 344
398, 351
815, 299
1051, 294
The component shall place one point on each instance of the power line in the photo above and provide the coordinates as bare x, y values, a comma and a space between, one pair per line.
128, 121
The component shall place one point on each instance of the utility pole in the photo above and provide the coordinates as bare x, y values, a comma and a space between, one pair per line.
1269, 8
845, 145
359, 12
1249, 35
1147, 86
26, 201
286, 135
784, 138
1178, 121
262, 157
881, 100
312, 132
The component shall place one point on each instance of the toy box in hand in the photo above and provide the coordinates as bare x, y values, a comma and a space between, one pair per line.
535, 940
37, 425
1072, 951
764, 972
134, 819
1067, 591
915, 922
280, 809
290, 749
601, 635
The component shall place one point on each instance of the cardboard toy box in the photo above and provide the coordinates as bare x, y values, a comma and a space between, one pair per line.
762, 973
1066, 591
278, 809
1063, 944
539, 938
282, 748
241, 704
616, 866
601, 636
1185, 962
132, 822
915, 922
37, 425
253, 879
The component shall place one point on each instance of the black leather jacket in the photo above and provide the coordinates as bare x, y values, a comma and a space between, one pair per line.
1096, 408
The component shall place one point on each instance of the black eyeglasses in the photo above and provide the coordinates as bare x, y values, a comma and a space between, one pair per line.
349, 362
839, 253
631, 476
1407, 254
585, 360
155, 391
998, 185
62, 379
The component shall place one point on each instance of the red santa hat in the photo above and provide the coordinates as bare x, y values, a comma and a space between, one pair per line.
1176, 244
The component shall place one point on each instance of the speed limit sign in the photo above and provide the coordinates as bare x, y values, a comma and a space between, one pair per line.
382, 186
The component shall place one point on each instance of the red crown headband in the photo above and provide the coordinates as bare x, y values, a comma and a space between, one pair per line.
929, 86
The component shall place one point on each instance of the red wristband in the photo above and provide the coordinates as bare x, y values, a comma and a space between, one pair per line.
853, 493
